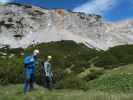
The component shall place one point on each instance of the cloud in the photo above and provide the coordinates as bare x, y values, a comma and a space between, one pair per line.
5, 1
96, 6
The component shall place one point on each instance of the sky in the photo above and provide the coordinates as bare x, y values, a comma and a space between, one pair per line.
110, 10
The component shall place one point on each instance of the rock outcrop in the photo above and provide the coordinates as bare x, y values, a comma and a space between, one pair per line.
23, 25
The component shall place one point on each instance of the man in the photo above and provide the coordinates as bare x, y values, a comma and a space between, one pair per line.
30, 64
48, 73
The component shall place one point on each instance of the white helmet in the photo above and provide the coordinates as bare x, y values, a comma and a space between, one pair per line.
49, 57
35, 52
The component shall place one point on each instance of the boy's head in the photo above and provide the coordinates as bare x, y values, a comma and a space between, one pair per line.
49, 58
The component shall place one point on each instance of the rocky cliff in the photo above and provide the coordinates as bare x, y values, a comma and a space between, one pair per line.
23, 25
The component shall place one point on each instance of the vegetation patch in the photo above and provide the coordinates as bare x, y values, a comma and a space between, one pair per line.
116, 80
74, 65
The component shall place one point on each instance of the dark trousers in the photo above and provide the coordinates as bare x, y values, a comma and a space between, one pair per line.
48, 83
29, 82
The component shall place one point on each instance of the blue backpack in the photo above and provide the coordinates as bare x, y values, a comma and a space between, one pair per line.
29, 60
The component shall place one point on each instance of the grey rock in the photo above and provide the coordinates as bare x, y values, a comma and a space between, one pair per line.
24, 25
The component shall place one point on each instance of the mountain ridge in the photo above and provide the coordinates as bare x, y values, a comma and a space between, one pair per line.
23, 25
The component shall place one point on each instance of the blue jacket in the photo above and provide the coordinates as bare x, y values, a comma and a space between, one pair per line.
30, 65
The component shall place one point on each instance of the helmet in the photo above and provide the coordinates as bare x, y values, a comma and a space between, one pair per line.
35, 52
49, 57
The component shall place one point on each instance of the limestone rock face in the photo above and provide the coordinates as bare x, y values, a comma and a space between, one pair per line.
23, 25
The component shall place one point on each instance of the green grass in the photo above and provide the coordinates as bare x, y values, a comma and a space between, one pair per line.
116, 80
75, 67
15, 92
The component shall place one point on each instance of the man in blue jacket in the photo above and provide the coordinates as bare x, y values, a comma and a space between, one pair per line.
30, 64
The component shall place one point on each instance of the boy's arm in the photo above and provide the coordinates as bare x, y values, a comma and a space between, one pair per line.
46, 69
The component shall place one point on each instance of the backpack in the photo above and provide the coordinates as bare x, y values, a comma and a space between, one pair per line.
28, 60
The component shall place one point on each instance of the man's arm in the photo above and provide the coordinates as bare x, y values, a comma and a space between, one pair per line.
25, 65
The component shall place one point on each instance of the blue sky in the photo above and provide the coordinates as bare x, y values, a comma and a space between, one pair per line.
111, 10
